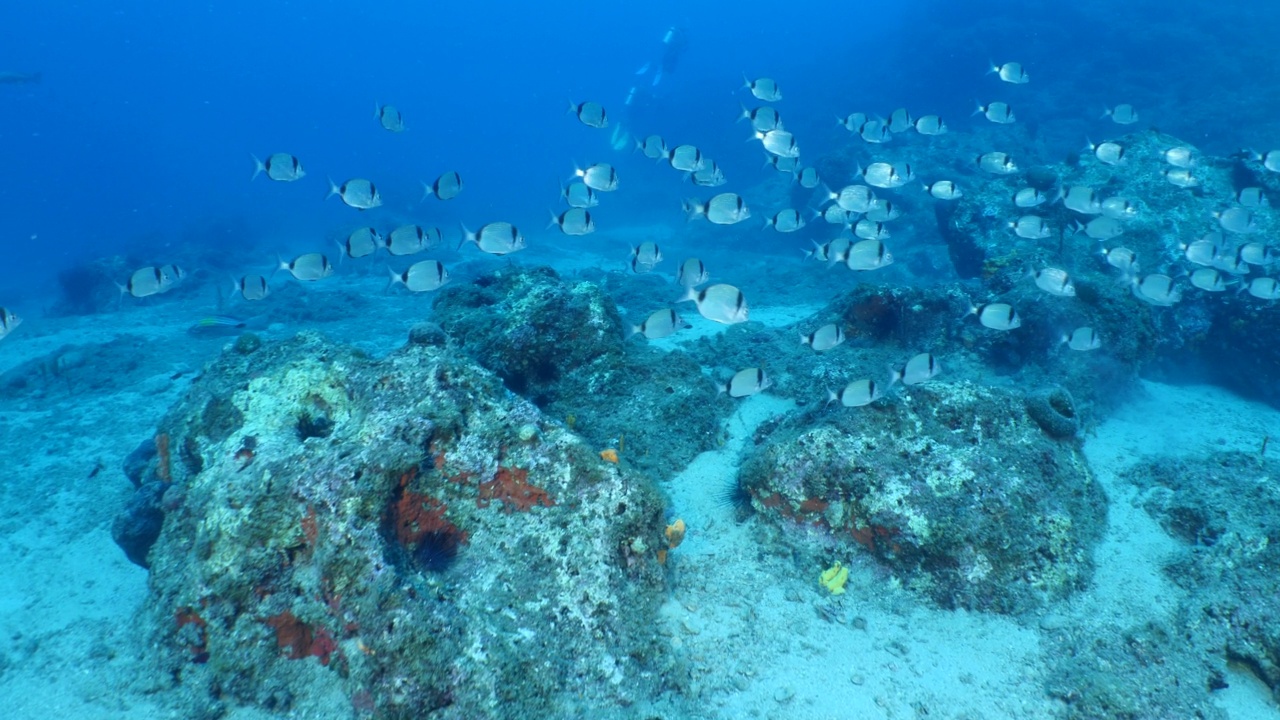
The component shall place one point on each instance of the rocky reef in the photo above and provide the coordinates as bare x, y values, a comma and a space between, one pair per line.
954, 487
401, 535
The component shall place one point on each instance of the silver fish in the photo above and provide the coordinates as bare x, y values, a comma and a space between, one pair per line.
1029, 197
1011, 72
852, 122
709, 176
1252, 197
785, 221
1031, 227
809, 178
1082, 339
1122, 114
1104, 228
763, 119
867, 255
308, 267
692, 273
779, 142
921, 368
496, 238
1054, 281
389, 117
1238, 220
281, 167
900, 121
446, 187
686, 158
1119, 208
746, 382
723, 209
580, 196
357, 193
574, 221
883, 211
1256, 253
1181, 177
1264, 288
361, 243
824, 338
997, 316
931, 125
875, 132
853, 198
1204, 251
422, 276
590, 114
251, 287
832, 252
782, 164
601, 177
996, 112
944, 190
887, 176
1110, 153
653, 147
9, 321
836, 215
1121, 258
660, 324
1180, 157
145, 282
763, 88
645, 256
1208, 279
869, 229
407, 240
997, 163
721, 303
857, 393
1156, 289
1082, 199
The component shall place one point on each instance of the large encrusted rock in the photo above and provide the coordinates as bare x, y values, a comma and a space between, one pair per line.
952, 486
562, 345
401, 534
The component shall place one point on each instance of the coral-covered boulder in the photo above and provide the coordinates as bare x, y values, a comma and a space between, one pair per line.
402, 534
952, 486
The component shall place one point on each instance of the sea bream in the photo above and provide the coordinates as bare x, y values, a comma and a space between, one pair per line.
1082, 339
644, 257
1123, 114
1029, 197
747, 382
692, 273
9, 321
709, 176
389, 118
867, 255
900, 121
686, 158
996, 112
943, 190
808, 178
1054, 281
921, 368
930, 125
591, 114
1031, 227
281, 167
308, 267
723, 209
779, 142
361, 242
724, 304
824, 338
422, 276
1264, 288
857, 393
251, 287
1011, 72
357, 193
147, 281
1156, 289
446, 187
652, 147
997, 163
574, 221
763, 119
660, 324
785, 221
601, 177
578, 195
997, 316
763, 88
496, 238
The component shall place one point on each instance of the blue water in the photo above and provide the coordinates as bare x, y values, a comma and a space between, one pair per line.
141, 131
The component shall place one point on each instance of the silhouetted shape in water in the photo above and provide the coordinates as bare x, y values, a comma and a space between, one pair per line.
8, 77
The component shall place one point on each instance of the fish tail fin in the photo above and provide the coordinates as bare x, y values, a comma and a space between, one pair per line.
896, 375
426, 191
831, 397
467, 236
395, 278
992, 67
635, 329
980, 108
258, 167
333, 189
690, 295
555, 219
